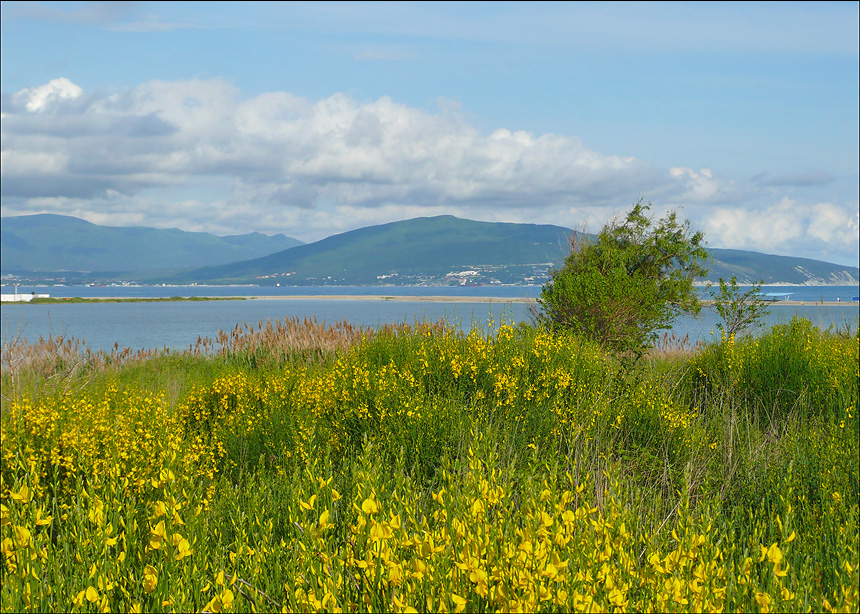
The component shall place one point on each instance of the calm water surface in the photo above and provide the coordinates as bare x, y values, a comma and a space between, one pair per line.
178, 325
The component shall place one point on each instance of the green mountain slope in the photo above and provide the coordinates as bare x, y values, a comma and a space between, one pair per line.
48, 242
427, 249
442, 249
408, 251
750, 267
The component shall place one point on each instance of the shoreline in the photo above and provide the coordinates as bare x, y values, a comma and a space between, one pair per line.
365, 297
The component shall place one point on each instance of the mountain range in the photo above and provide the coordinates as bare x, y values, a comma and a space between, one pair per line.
433, 250
57, 243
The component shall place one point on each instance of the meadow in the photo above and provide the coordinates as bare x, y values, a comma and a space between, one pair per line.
295, 466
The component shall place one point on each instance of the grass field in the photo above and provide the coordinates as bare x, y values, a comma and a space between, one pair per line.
301, 467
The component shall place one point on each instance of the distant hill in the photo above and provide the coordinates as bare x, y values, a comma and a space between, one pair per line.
750, 267
428, 249
412, 251
51, 243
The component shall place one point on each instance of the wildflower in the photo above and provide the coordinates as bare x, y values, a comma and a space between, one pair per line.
369, 506
22, 536
92, 594
324, 520
23, 495
150, 578
157, 535
183, 547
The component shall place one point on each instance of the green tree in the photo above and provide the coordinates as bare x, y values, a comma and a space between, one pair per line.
739, 311
627, 283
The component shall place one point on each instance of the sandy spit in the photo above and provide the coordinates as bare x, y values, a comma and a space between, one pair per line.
458, 299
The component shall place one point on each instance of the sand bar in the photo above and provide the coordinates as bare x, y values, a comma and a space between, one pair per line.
435, 299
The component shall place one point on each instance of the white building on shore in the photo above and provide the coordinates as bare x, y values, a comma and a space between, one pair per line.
21, 298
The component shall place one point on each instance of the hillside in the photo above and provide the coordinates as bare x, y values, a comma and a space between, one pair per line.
412, 251
426, 250
52, 243
429, 250
752, 266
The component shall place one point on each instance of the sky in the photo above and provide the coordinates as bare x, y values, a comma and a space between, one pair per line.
311, 119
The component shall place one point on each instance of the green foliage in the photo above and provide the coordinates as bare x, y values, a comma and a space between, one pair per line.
629, 283
739, 312
294, 477
793, 367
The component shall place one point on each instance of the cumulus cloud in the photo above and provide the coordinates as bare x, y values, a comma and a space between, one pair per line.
702, 187
818, 230
337, 150
197, 155
37, 98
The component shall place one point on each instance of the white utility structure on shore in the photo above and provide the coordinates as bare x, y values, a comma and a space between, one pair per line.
21, 298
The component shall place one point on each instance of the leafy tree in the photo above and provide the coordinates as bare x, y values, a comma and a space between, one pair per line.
627, 283
739, 311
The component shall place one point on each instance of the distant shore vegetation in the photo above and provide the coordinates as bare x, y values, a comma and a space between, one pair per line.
79, 299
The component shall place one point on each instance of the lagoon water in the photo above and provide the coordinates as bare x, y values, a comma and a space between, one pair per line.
178, 325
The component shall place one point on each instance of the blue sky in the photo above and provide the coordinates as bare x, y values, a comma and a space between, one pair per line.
316, 118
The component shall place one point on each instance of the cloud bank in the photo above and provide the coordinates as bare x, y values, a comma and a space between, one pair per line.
197, 155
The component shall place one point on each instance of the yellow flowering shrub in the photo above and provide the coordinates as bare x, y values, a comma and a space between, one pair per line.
427, 470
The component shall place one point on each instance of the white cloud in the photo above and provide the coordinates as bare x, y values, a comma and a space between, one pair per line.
831, 223
37, 98
344, 151
820, 230
702, 187
196, 155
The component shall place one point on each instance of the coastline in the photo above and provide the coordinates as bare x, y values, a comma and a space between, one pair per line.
365, 297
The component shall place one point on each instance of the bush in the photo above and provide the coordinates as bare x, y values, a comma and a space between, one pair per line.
631, 281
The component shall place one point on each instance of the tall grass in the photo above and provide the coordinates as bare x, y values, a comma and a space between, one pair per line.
295, 466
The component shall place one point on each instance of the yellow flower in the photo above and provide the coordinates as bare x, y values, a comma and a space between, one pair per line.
7, 547
763, 600
22, 536
183, 547
157, 535
477, 508
459, 602
616, 598
150, 578
550, 572
369, 506
23, 495
92, 594
78, 600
